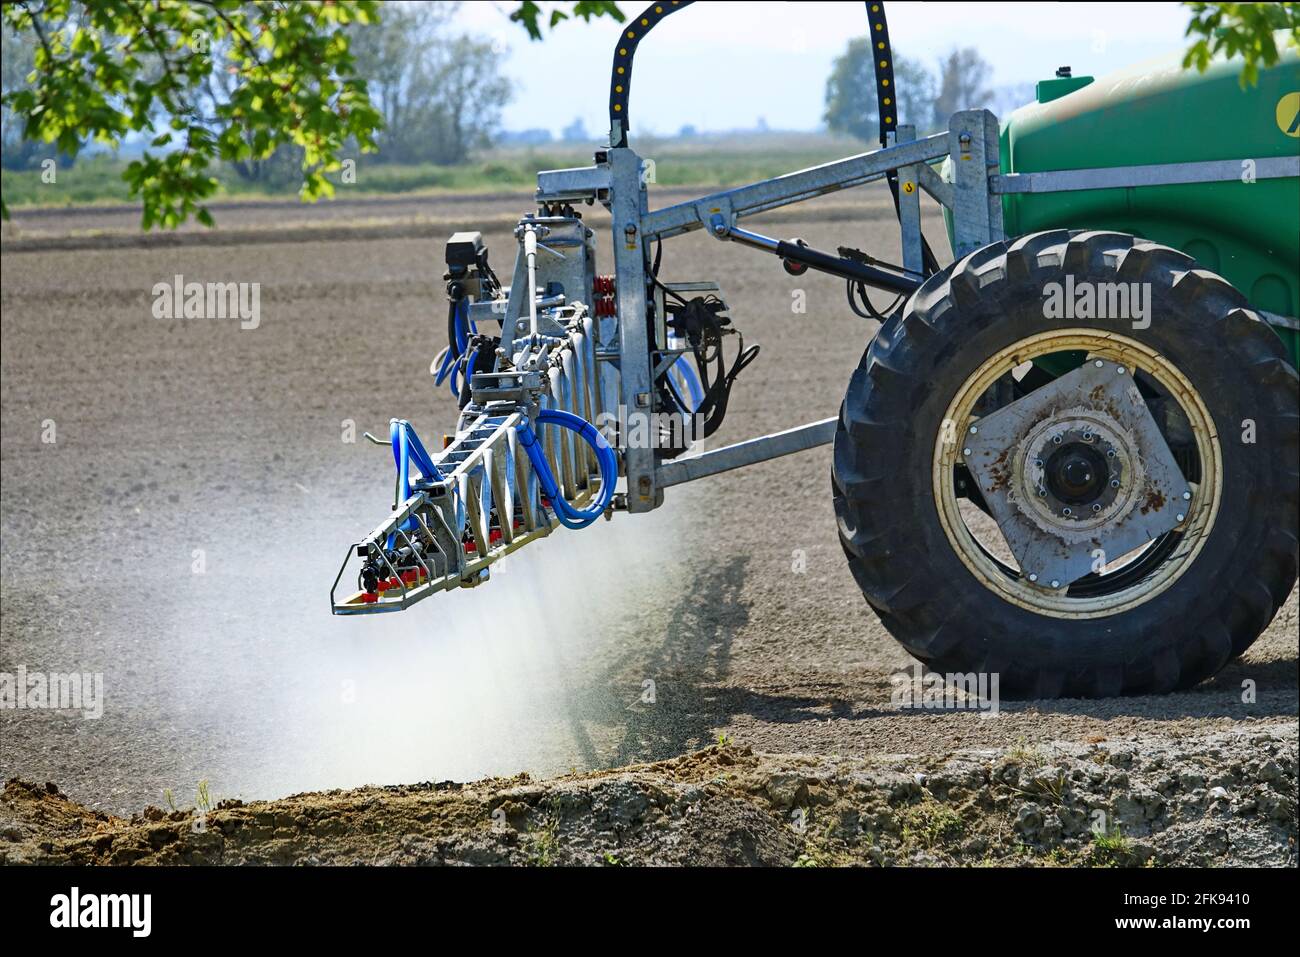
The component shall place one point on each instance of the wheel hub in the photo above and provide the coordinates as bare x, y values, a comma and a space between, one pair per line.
1075, 472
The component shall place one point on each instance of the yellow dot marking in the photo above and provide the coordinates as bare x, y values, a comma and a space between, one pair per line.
631, 35
880, 45
620, 71
1288, 114
617, 107
887, 101
884, 83
889, 119
659, 9
645, 22
878, 27
884, 63
618, 89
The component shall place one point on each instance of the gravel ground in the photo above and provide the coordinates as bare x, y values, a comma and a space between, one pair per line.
180, 536
1191, 802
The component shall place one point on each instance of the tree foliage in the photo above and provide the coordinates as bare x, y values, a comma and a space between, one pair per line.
104, 69
1245, 30
529, 14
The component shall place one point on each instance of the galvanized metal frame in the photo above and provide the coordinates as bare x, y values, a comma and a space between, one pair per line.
598, 346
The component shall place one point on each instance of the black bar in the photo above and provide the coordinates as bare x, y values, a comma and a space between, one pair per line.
847, 268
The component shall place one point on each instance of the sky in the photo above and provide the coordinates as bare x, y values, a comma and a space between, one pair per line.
722, 65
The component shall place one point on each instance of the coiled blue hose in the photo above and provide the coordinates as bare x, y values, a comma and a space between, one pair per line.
569, 516
451, 358
687, 372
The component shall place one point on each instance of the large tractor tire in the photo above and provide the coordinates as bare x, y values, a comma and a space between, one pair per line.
1173, 438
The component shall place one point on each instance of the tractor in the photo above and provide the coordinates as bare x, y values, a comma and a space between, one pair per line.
1069, 458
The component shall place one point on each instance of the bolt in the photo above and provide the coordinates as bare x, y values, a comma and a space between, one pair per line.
965, 451
1096, 507
1033, 578
1087, 436
1038, 463
1110, 453
1042, 492
1119, 369
1186, 496
1056, 440
1099, 363
1066, 511
1114, 483
973, 430
1055, 583
1181, 516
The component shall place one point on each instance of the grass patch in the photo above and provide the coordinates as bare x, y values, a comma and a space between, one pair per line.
98, 179
930, 823
1112, 848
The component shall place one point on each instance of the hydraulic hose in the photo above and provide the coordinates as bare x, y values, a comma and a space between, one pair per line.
407, 446
569, 516
451, 360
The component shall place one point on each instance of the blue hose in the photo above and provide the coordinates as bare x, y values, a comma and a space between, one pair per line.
687, 372
569, 516
451, 359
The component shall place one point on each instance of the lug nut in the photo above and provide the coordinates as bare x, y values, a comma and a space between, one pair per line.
1114, 483
1033, 578
973, 430
965, 451
1055, 583
1099, 363
1056, 440
1066, 511
1119, 369
1186, 496
1096, 507
1181, 517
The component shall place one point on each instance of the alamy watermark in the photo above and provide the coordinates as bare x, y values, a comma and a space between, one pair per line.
179, 299
931, 691
1085, 299
640, 429
53, 691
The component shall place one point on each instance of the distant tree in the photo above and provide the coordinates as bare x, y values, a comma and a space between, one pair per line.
963, 85
576, 132
1240, 29
851, 92
440, 95
687, 132
536, 136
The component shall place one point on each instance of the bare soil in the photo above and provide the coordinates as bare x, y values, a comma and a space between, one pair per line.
181, 534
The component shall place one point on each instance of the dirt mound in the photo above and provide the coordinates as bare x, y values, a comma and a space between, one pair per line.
1227, 798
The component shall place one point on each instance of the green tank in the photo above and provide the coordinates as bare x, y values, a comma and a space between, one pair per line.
1158, 112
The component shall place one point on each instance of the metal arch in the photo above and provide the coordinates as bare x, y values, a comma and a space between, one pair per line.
620, 82
882, 60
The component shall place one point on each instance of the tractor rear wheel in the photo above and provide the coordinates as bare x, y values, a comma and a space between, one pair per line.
1071, 460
